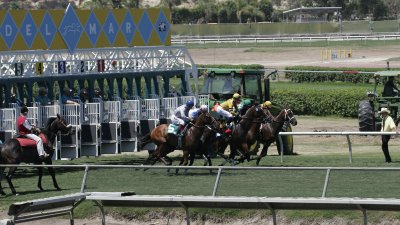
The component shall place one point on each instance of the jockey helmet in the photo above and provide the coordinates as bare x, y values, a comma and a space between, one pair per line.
203, 107
236, 95
267, 104
24, 109
190, 103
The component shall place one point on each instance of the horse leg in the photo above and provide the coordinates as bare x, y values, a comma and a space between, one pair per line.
40, 174
263, 152
1, 177
9, 176
53, 176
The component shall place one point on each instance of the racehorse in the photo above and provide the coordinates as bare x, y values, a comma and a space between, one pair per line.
245, 133
270, 131
23, 150
167, 143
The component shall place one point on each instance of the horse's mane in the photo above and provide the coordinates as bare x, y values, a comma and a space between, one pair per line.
49, 122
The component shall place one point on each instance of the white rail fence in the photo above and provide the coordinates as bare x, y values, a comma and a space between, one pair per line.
102, 199
343, 133
272, 38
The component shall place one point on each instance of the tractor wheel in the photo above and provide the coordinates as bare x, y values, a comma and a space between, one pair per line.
287, 143
365, 116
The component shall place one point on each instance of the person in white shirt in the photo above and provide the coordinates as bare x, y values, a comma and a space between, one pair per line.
195, 113
388, 125
181, 114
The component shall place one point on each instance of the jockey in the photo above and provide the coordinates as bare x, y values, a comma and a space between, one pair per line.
229, 108
266, 106
25, 129
195, 113
181, 114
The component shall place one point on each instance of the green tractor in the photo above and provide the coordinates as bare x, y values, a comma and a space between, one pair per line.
251, 84
368, 117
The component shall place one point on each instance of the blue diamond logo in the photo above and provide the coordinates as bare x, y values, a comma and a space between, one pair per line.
128, 27
145, 27
8, 30
71, 29
28, 30
162, 27
93, 28
110, 28
48, 29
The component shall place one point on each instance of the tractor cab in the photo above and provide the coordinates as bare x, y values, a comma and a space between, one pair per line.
221, 84
386, 95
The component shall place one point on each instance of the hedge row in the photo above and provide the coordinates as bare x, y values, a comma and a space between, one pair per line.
350, 75
306, 101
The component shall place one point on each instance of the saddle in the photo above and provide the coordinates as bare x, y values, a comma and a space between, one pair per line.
29, 143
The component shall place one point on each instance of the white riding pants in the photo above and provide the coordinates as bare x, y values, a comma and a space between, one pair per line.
221, 111
39, 143
176, 120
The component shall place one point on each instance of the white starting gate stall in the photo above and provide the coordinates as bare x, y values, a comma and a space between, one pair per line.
129, 125
90, 136
183, 99
45, 113
168, 106
7, 123
110, 127
150, 119
70, 142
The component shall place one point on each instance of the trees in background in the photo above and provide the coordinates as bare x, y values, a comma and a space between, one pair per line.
229, 11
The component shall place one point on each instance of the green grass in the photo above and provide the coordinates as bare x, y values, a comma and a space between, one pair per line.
242, 183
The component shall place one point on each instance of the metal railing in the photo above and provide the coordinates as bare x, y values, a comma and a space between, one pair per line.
288, 38
343, 133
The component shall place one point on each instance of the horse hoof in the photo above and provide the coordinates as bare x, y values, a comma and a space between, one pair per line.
2, 193
59, 189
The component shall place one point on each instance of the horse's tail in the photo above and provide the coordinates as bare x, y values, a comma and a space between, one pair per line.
144, 140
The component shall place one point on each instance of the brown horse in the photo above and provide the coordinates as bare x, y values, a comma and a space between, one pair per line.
245, 133
167, 143
13, 153
270, 131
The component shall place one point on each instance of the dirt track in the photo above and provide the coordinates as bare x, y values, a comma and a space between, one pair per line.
281, 57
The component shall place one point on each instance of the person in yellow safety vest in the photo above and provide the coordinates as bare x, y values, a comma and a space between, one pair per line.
228, 108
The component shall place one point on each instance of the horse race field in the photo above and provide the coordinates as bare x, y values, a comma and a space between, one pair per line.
311, 151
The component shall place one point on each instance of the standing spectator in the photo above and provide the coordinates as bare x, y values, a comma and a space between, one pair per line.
66, 97
42, 97
388, 125
15, 100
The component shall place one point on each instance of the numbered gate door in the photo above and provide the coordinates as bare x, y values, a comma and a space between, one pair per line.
70, 142
90, 135
45, 113
110, 127
130, 125
150, 118
7, 123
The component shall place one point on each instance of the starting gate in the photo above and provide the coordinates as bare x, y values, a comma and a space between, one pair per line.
7, 123
130, 124
110, 127
70, 142
90, 137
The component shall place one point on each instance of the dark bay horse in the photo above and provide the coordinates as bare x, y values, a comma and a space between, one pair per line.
13, 153
270, 131
167, 143
245, 133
